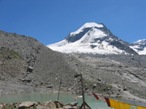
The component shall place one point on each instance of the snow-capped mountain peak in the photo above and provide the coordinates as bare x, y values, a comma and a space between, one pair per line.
92, 24
91, 35
87, 25
141, 42
139, 46
92, 38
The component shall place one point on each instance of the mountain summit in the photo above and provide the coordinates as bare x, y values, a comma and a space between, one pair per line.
92, 38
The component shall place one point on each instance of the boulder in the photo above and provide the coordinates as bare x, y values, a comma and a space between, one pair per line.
49, 105
26, 104
39, 107
58, 104
1, 106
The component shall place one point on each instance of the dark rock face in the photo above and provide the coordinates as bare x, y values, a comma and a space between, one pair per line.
123, 46
72, 38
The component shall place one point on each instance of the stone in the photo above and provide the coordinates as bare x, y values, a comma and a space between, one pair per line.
58, 104
49, 105
1, 106
26, 104
39, 107
67, 107
29, 69
50, 86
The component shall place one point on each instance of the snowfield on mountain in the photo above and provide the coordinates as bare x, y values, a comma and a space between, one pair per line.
92, 38
139, 46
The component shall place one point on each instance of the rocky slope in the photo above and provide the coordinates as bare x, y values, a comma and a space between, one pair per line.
105, 60
29, 66
114, 75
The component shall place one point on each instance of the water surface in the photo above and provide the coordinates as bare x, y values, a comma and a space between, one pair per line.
64, 97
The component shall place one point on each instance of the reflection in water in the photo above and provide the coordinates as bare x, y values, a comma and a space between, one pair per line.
64, 97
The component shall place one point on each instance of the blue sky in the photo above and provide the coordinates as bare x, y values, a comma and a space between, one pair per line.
50, 21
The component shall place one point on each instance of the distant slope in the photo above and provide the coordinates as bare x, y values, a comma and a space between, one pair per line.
92, 38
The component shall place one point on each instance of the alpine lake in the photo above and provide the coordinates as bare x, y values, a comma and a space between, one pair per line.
63, 97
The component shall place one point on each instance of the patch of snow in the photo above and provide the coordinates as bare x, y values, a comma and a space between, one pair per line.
143, 52
58, 44
92, 24
140, 52
87, 25
77, 47
91, 35
139, 41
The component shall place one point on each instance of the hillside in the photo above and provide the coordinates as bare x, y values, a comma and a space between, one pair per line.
19, 55
29, 66
114, 75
